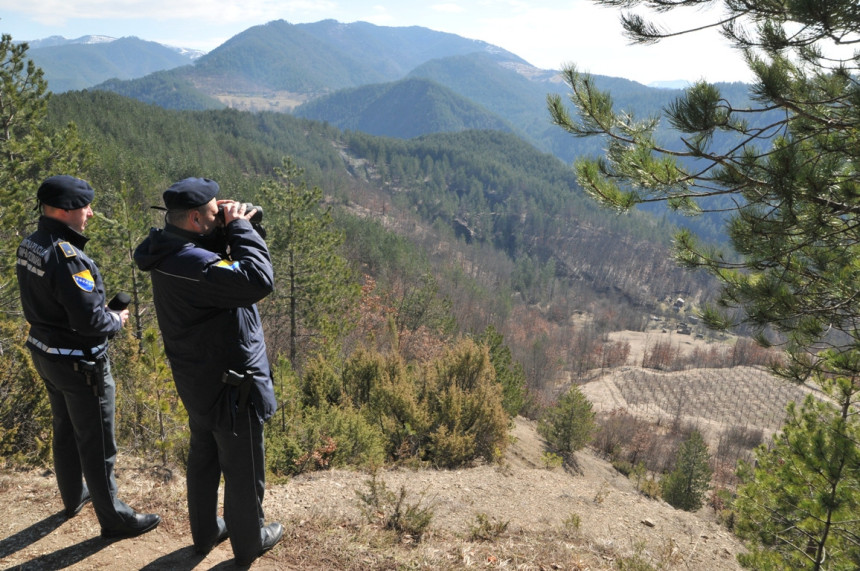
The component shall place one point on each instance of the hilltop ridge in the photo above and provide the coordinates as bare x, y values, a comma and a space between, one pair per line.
325, 529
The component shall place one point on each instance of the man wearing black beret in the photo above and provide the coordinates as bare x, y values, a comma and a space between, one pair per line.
208, 272
63, 298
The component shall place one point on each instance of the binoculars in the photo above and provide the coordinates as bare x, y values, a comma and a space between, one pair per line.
255, 219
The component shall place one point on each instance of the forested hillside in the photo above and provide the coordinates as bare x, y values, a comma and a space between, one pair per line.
403, 109
397, 50
469, 252
397, 82
431, 285
483, 213
464, 264
167, 89
80, 65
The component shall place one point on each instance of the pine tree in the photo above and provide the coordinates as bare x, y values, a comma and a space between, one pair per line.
509, 373
798, 506
568, 425
30, 151
686, 485
121, 223
315, 288
786, 166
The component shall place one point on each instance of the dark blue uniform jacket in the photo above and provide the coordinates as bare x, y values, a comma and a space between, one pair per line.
62, 294
205, 304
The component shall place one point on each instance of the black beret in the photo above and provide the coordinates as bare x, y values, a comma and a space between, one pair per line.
66, 192
190, 193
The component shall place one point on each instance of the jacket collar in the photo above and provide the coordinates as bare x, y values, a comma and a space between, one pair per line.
214, 242
182, 233
56, 228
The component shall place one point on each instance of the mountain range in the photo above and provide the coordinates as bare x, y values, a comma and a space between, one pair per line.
353, 76
83, 62
400, 82
454, 172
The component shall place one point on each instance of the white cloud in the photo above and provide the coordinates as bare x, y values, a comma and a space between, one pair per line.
447, 8
221, 11
592, 38
546, 33
377, 14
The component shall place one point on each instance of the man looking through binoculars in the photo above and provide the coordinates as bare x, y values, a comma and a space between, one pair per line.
209, 267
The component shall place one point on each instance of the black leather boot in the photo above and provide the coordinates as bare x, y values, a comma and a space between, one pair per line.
75, 510
221, 536
270, 535
136, 525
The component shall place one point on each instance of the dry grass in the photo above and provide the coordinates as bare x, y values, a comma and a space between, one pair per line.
325, 544
275, 101
536, 518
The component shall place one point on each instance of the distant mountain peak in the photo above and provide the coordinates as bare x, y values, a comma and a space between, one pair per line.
90, 40
670, 84
531, 72
188, 52
53, 41
93, 40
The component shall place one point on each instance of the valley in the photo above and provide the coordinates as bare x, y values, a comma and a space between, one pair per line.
455, 198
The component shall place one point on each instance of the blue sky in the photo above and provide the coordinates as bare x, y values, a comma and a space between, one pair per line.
547, 34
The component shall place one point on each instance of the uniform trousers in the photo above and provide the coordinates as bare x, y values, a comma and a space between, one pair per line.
238, 454
84, 441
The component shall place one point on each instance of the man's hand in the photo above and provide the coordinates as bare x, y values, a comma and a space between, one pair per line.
234, 210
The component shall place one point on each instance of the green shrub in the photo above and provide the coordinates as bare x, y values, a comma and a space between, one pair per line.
324, 437
509, 373
722, 500
363, 373
486, 530
623, 466
310, 433
25, 413
568, 425
464, 405
639, 474
447, 412
320, 384
572, 523
450, 448
357, 443
685, 486
382, 506
149, 415
650, 488
385, 390
282, 452
551, 460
